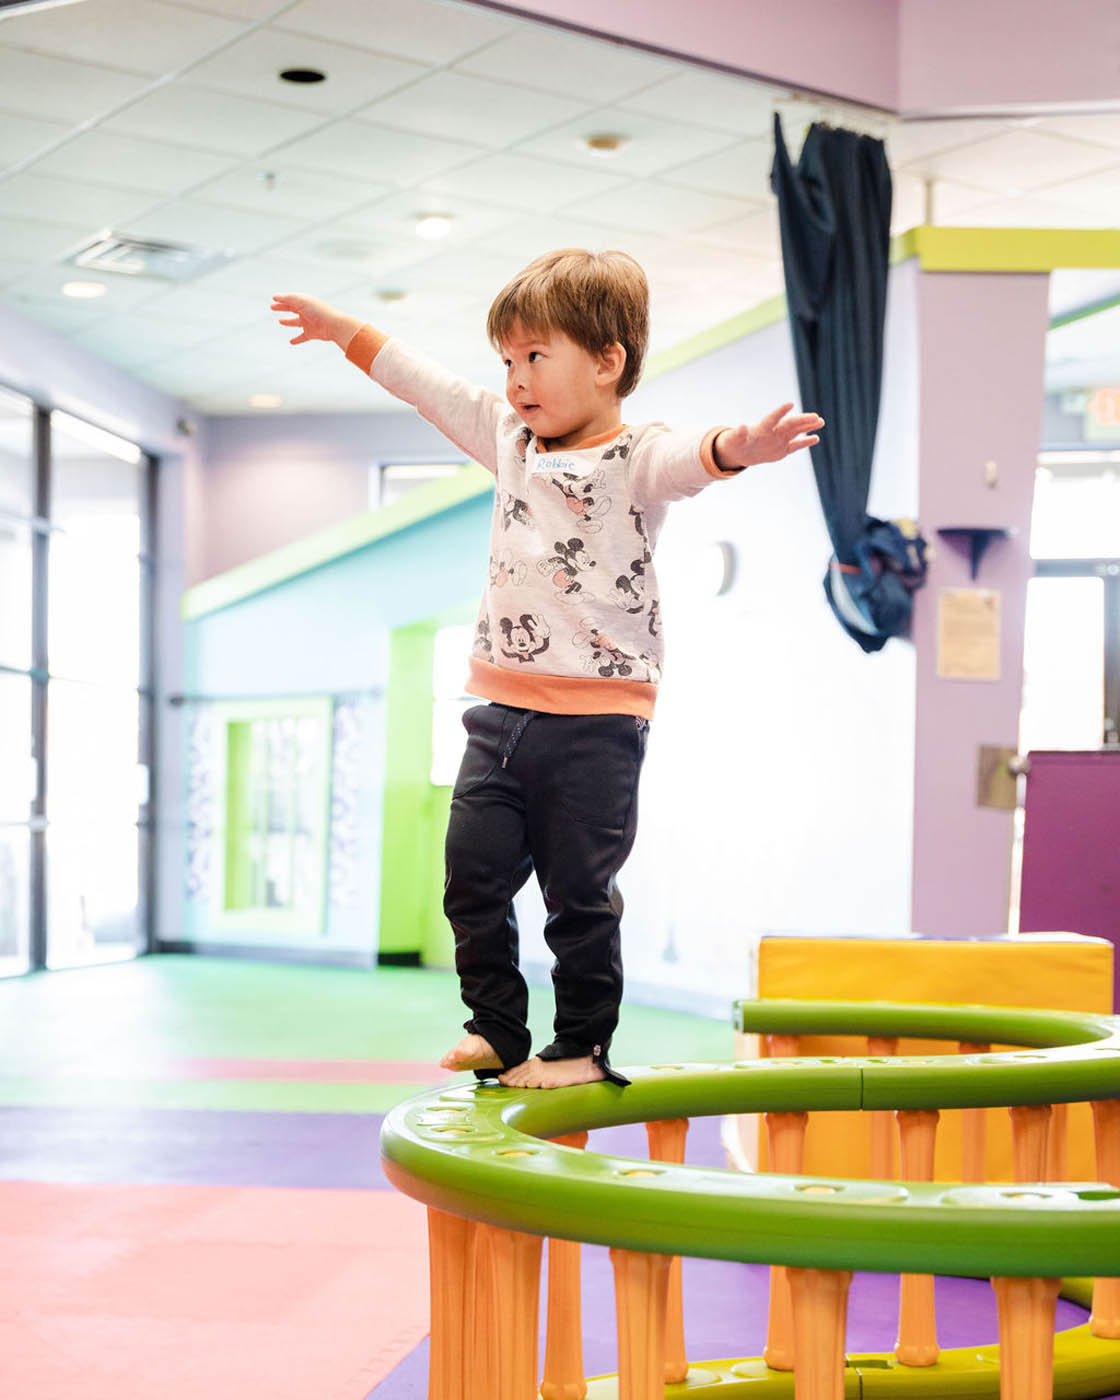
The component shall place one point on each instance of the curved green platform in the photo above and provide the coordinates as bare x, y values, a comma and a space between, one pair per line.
481, 1151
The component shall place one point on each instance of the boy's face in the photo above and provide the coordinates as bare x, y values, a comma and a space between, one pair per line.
562, 391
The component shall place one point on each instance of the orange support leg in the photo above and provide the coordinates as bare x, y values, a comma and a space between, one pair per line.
820, 1315
974, 1126
666, 1144
563, 1349
516, 1276
917, 1326
1057, 1144
641, 1284
882, 1126
786, 1137
1026, 1336
1105, 1321
1030, 1124
451, 1280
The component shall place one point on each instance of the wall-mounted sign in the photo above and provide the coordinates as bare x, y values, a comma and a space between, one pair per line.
968, 634
1102, 414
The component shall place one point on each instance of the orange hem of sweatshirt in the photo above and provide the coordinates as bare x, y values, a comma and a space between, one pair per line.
561, 695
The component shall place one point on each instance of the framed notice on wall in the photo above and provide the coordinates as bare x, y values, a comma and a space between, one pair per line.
968, 634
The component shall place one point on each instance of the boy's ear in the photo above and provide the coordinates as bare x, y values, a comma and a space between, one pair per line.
612, 361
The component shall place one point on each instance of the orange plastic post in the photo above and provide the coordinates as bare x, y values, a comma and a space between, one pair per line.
563, 1348
820, 1316
1105, 1320
882, 1128
641, 1285
1030, 1123
1057, 1144
480, 1341
451, 1266
516, 1278
974, 1126
666, 1144
782, 1044
917, 1325
1025, 1307
786, 1138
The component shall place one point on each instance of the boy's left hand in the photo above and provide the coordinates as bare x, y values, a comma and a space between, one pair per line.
769, 440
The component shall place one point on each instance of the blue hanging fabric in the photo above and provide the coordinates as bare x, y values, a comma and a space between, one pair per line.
834, 209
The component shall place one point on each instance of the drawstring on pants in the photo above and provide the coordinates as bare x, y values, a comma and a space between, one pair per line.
515, 738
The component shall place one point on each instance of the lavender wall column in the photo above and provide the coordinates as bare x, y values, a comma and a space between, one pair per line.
982, 342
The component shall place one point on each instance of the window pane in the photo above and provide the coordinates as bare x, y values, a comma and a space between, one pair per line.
15, 594
93, 631
1063, 664
93, 904
17, 767
15, 885
1076, 511
95, 495
93, 774
17, 462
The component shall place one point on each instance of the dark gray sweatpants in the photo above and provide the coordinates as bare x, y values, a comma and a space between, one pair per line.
557, 794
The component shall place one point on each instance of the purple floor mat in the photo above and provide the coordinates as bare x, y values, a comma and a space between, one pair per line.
190, 1147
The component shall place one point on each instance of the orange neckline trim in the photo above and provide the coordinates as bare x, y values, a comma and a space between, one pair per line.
597, 441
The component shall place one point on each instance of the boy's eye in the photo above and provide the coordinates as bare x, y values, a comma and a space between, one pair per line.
534, 355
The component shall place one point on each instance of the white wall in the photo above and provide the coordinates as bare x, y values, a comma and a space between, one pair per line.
778, 788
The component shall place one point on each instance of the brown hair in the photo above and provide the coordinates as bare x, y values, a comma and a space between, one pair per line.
595, 299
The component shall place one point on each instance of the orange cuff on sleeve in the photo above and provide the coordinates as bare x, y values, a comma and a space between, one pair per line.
363, 347
708, 456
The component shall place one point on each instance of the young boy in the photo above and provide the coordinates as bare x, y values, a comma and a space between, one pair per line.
568, 645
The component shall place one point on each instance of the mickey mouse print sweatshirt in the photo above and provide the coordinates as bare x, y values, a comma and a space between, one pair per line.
570, 618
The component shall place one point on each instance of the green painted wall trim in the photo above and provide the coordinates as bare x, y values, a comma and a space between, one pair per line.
324, 546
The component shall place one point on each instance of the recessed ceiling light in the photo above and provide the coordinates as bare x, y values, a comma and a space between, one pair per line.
265, 400
84, 291
603, 144
391, 294
303, 75
433, 225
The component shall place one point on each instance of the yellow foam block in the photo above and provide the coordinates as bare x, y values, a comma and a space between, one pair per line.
1061, 971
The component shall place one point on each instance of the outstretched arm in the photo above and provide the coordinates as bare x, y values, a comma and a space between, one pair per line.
769, 440
316, 320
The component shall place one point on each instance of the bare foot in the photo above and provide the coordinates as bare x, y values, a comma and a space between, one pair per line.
472, 1052
552, 1074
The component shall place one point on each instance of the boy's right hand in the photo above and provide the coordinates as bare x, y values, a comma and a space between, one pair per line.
316, 320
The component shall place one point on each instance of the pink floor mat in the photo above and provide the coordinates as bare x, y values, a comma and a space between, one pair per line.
135, 1292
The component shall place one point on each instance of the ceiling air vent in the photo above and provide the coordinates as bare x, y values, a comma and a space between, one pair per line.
129, 256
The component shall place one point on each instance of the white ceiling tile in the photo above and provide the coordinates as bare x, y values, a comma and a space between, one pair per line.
910, 142
1098, 194
467, 108
908, 201
195, 116
526, 239
425, 30
37, 85
742, 170
341, 252
130, 162
31, 240
252, 282
121, 293
554, 61
194, 302
709, 99
22, 137
250, 10
953, 203
70, 201
527, 182
1017, 160
144, 36
375, 153
61, 314
213, 227
652, 144
1033, 213
251, 67
755, 234
392, 220
139, 339
663, 209
1100, 127
271, 188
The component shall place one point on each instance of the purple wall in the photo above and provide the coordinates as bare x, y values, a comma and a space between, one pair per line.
847, 50
1016, 52
271, 480
982, 340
